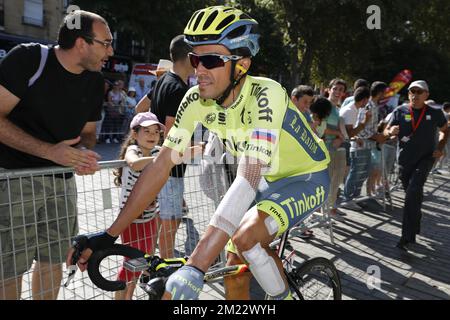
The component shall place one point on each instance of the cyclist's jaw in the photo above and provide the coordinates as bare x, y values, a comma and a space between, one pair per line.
212, 82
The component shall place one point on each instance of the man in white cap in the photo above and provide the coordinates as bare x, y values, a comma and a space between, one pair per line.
417, 126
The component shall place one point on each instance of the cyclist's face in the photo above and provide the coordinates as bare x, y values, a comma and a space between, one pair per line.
212, 82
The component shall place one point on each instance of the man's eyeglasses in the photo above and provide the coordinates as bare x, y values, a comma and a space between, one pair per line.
211, 60
106, 44
417, 91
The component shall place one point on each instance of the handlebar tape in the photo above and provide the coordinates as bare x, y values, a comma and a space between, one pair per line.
97, 257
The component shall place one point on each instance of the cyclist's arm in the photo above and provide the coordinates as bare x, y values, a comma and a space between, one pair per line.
230, 212
144, 193
155, 175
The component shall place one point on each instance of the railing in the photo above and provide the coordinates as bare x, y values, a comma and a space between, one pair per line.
26, 207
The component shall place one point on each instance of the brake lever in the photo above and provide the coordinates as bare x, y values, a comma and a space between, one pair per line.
79, 244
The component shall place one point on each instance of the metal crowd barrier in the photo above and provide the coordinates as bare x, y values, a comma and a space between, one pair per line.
114, 124
97, 203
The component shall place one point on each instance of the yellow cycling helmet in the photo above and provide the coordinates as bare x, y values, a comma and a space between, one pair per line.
223, 25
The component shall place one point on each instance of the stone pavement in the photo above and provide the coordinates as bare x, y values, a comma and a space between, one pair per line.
364, 245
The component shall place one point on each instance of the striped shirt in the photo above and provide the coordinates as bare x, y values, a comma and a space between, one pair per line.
129, 178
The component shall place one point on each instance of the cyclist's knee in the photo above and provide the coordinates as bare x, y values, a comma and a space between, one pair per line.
244, 238
233, 259
251, 233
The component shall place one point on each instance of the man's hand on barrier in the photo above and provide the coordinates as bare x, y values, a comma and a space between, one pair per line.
93, 166
95, 242
64, 154
185, 284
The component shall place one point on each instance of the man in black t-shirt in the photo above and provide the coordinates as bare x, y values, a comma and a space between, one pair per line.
166, 97
50, 100
422, 134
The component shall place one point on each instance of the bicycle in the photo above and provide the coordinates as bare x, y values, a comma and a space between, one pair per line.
314, 279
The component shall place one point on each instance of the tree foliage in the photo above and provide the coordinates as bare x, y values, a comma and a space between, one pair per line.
306, 41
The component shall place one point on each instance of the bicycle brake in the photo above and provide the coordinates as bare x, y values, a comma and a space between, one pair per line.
79, 244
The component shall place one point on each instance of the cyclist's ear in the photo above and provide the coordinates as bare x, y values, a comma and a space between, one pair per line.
241, 69
243, 65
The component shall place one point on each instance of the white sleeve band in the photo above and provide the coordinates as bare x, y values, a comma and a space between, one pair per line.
233, 206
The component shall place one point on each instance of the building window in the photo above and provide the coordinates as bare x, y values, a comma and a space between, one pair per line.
33, 12
2, 15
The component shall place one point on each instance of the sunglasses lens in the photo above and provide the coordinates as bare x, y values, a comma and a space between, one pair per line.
211, 62
195, 60
208, 61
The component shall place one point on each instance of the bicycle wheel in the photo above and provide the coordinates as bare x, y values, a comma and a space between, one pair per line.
316, 279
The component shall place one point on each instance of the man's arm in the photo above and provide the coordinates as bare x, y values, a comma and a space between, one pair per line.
443, 138
143, 105
14, 137
354, 131
169, 124
88, 141
88, 135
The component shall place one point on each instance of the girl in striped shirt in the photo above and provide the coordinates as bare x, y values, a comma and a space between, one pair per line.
139, 149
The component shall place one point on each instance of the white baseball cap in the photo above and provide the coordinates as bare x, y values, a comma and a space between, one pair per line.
419, 84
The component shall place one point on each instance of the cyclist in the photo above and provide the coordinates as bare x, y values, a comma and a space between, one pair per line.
283, 164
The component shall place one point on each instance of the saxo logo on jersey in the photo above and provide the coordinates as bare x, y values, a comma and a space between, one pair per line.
210, 118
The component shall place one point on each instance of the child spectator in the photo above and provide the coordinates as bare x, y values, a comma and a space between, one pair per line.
320, 111
139, 149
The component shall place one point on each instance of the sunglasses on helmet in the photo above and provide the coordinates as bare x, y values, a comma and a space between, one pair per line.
211, 60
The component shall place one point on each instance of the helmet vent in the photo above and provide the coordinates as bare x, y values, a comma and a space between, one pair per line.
210, 20
197, 21
225, 22
237, 32
244, 16
192, 19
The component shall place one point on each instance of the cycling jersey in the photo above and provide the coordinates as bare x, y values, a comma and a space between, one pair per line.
262, 123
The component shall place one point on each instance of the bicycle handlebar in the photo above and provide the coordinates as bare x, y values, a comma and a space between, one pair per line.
97, 257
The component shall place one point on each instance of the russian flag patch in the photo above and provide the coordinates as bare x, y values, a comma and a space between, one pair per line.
264, 135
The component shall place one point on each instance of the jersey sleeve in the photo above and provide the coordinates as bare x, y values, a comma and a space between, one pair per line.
186, 119
19, 65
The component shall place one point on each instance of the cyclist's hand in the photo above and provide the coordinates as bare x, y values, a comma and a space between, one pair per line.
185, 284
96, 241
